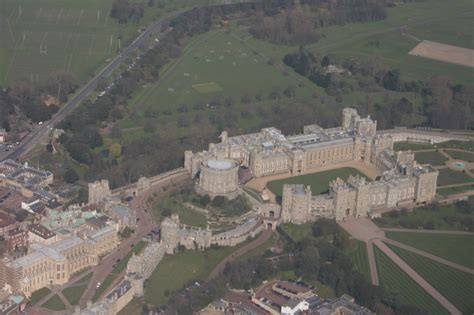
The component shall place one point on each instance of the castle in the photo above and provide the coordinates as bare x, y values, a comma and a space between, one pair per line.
269, 152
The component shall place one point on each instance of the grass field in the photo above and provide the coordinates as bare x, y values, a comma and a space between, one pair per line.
38, 295
405, 146
460, 155
391, 39
55, 303
396, 281
135, 306
449, 177
359, 258
455, 285
186, 215
297, 232
73, 294
454, 190
40, 37
208, 87
117, 270
433, 158
455, 248
176, 271
319, 182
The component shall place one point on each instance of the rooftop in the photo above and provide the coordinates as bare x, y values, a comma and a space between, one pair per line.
220, 164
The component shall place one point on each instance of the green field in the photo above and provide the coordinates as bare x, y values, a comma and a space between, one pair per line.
455, 248
405, 146
359, 258
455, 285
209, 87
436, 20
41, 37
297, 232
396, 281
319, 182
460, 155
38, 295
433, 158
449, 177
55, 303
176, 271
74, 293
454, 190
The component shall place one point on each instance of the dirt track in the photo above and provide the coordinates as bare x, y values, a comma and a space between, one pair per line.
442, 52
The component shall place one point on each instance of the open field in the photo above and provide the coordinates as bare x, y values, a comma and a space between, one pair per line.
359, 258
74, 293
454, 190
455, 285
455, 248
449, 177
446, 53
452, 144
208, 87
186, 215
461, 155
433, 158
41, 37
54, 303
297, 232
391, 39
396, 281
176, 271
319, 182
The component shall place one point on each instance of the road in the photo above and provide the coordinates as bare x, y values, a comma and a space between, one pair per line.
42, 131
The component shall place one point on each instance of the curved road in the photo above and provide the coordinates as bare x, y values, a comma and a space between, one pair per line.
39, 133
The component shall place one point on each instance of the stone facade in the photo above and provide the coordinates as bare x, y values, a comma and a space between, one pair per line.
269, 152
99, 191
173, 234
219, 178
55, 263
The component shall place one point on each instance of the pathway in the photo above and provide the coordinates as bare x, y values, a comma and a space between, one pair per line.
416, 277
260, 240
428, 255
365, 230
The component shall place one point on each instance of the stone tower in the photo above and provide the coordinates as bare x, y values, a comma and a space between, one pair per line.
426, 181
362, 195
170, 233
99, 191
348, 118
343, 199
296, 203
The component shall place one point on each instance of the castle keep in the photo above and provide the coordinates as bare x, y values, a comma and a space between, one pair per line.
269, 152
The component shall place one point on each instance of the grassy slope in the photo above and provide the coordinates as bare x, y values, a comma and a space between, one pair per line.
434, 20
55, 303
456, 248
455, 285
454, 190
176, 271
319, 182
395, 280
359, 258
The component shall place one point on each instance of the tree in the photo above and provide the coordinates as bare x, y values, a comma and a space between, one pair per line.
309, 262
149, 126
70, 176
115, 150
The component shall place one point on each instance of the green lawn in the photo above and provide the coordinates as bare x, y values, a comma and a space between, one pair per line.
117, 270
177, 270
433, 158
441, 217
134, 307
460, 155
449, 177
75, 36
186, 215
297, 232
455, 285
55, 303
359, 258
319, 182
396, 281
436, 20
73, 294
455, 248
405, 146
38, 295
454, 190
